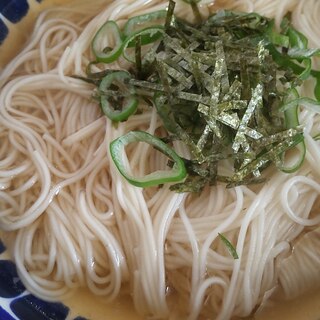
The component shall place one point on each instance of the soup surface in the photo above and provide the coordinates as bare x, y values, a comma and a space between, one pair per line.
306, 307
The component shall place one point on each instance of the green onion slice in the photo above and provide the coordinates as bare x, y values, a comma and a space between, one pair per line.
214, 85
147, 36
291, 116
317, 88
229, 246
297, 39
308, 103
119, 104
138, 23
117, 149
107, 43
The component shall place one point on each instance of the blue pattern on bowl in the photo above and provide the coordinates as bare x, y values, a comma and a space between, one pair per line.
31, 307
10, 284
12, 11
3, 31
17, 303
2, 247
4, 315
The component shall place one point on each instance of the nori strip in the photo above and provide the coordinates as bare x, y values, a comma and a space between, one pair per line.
214, 85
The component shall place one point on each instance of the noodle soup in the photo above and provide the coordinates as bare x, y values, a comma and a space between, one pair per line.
72, 221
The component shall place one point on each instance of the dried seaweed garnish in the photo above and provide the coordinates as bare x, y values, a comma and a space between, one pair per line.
221, 87
223, 74
231, 101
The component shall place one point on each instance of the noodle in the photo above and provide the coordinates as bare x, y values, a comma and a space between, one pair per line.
72, 221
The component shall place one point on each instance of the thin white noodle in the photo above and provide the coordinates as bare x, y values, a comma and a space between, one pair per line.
74, 221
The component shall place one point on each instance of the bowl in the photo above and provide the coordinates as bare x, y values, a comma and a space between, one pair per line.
16, 20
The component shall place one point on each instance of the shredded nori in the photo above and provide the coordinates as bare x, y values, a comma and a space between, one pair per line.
215, 86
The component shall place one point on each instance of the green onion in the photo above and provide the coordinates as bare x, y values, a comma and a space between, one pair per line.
138, 23
298, 53
117, 149
308, 103
215, 87
296, 38
148, 36
298, 50
317, 87
117, 105
292, 121
107, 43
229, 246
279, 39
276, 38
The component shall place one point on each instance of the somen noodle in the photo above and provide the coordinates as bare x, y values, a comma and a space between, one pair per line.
72, 220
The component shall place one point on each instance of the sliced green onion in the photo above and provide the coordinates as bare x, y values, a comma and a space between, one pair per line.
138, 23
107, 43
299, 42
229, 246
279, 39
298, 53
214, 85
118, 107
308, 103
291, 116
117, 149
148, 36
298, 50
297, 39
276, 38
317, 88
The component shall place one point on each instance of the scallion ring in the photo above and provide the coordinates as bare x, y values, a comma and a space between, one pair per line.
107, 43
138, 23
292, 121
123, 103
117, 149
147, 36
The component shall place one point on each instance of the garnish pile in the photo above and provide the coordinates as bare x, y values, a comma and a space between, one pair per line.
226, 87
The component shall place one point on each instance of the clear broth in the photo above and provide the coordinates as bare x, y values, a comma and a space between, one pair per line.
84, 303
